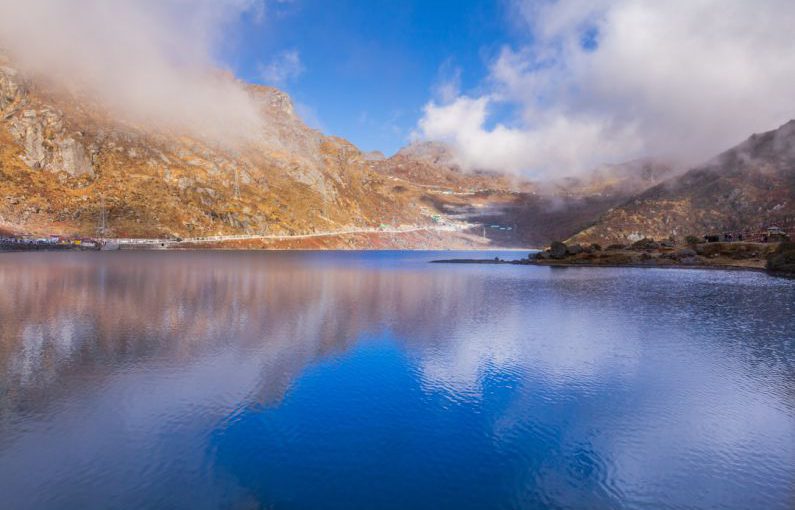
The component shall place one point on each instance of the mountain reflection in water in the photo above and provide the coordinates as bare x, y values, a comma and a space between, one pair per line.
305, 380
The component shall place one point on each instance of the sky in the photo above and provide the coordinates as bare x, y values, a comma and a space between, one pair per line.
535, 87
541, 88
364, 70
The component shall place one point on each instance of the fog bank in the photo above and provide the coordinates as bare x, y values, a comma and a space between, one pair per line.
150, 61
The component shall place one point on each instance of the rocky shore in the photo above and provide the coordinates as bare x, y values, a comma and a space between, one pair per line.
777, 258
648, 252
12, 247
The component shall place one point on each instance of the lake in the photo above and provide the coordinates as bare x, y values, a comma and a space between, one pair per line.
377, 380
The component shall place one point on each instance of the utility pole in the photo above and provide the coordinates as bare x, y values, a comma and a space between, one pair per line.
102, 223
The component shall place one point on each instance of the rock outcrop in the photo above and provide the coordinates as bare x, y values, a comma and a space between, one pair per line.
47, 143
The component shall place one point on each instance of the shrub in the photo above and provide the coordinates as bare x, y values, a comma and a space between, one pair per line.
645, 244
783, 259
558, 250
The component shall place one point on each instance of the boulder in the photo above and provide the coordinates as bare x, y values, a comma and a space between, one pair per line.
558, 250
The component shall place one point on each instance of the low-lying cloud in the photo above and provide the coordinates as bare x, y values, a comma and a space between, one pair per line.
606, 81
283, 68
151, 61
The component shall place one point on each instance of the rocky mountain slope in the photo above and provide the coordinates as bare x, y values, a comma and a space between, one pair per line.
65, 163
513, 212
70, 166
743, 190
433, 165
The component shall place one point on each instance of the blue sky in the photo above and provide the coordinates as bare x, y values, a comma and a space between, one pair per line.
367, 68
546, 88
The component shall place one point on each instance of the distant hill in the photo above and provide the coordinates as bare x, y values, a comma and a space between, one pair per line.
434, 164
514, 211
745, 189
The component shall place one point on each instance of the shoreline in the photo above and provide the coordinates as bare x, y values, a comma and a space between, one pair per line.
525, 262
217, 248
775, 259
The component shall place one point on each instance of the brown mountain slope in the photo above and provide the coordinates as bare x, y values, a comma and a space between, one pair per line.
62, 157
433, 165
66, 162
513, 212
745, 189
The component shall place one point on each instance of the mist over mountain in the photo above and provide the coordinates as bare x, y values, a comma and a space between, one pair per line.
124, 116
63, 153
151, 63
744, 189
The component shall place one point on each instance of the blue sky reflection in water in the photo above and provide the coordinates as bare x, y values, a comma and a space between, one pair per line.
306, 380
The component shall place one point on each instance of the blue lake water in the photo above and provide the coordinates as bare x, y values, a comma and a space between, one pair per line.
377, 380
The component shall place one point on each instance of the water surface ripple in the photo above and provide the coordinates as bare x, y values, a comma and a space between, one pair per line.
377, 380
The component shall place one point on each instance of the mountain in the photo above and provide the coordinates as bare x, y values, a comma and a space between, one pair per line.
513, 212
745, 189
66, 163
433, 164
70, 166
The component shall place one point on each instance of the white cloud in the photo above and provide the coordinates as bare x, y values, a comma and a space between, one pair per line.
682, 79
448, 85
284, 67
152, 61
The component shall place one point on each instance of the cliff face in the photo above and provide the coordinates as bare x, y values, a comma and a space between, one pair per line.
47, 144
744, 189
63, 156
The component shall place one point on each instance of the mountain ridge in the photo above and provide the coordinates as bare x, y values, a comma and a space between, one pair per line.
745, 189
67, 163
61, 155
